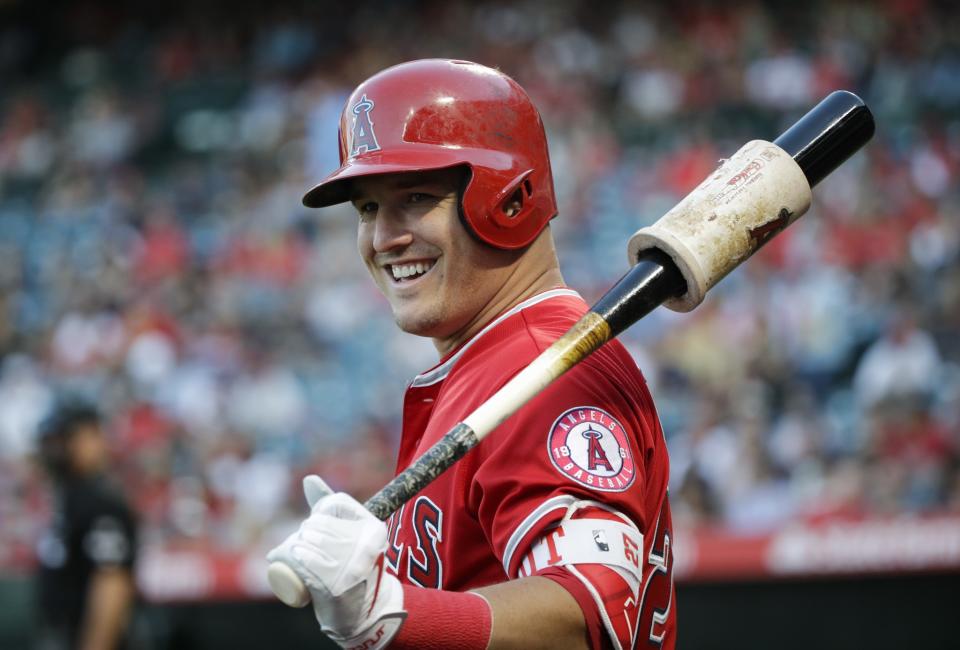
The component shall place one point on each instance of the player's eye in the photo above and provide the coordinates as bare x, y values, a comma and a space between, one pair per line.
366, 209
419, 197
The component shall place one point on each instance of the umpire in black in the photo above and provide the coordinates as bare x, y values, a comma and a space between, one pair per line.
86, 590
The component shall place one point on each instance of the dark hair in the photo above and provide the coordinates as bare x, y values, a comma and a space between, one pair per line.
54, 432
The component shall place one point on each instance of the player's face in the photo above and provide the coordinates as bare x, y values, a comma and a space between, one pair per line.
439, 280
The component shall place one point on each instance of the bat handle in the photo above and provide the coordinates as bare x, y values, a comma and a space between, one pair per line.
287, 585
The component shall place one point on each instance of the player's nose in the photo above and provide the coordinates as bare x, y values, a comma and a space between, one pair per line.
390, 232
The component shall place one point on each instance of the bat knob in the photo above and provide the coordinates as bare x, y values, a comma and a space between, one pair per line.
287, 585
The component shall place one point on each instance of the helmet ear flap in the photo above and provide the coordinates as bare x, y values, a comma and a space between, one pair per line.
510, 215
513, 203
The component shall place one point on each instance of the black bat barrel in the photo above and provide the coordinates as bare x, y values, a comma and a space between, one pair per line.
828, 134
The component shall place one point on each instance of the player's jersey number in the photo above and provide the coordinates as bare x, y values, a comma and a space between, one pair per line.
657, 595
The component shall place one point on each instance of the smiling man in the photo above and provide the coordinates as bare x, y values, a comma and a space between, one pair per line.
555, 531
440, 281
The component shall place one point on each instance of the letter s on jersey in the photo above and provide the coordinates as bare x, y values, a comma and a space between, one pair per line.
423, 566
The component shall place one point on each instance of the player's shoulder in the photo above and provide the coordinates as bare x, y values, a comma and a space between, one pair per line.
609, 377
512, 340
518, 337
105, 497
545, 321
610, 364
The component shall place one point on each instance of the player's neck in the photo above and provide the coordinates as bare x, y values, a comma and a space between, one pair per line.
536, 271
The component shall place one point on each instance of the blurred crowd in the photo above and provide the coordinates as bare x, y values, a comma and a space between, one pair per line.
155, 256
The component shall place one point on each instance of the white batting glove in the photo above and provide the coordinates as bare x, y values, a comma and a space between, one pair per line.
338, 553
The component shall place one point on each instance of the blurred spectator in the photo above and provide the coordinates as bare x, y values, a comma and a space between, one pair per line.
902, 364
86, 558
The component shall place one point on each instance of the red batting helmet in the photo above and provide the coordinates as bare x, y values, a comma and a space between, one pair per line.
435, 114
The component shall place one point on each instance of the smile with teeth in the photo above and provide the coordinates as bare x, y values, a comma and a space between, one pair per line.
411, 271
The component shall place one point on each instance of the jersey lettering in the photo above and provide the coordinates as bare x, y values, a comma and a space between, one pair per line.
587, 541
554, 556
427, 569
394, 546
658, 590
631, 551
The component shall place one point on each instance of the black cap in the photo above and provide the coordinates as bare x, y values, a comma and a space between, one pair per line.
53, 433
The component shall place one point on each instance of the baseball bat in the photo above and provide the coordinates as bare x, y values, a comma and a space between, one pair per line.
751, 197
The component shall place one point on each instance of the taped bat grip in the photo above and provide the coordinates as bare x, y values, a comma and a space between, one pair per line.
448, 450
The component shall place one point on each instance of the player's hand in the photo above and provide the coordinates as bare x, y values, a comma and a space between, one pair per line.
338, 553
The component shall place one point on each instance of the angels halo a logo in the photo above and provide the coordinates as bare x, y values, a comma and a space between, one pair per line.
363, 139
589, 446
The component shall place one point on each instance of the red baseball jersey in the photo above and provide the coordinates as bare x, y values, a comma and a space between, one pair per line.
575, 477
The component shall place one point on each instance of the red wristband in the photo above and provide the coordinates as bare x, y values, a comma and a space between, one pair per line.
438, 620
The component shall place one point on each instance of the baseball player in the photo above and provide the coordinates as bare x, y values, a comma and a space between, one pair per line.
553, 532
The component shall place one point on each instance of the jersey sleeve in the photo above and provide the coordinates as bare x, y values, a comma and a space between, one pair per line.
583, 438
109, 538
597, 639
584, 445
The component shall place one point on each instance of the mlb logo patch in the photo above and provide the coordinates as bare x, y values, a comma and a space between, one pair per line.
589, 446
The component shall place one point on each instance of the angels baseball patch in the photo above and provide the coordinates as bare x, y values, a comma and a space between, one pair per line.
589, 446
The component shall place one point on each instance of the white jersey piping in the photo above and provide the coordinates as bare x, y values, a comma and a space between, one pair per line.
562, 501
440, 372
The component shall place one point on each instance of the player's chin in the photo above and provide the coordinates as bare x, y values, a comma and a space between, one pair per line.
417, 319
